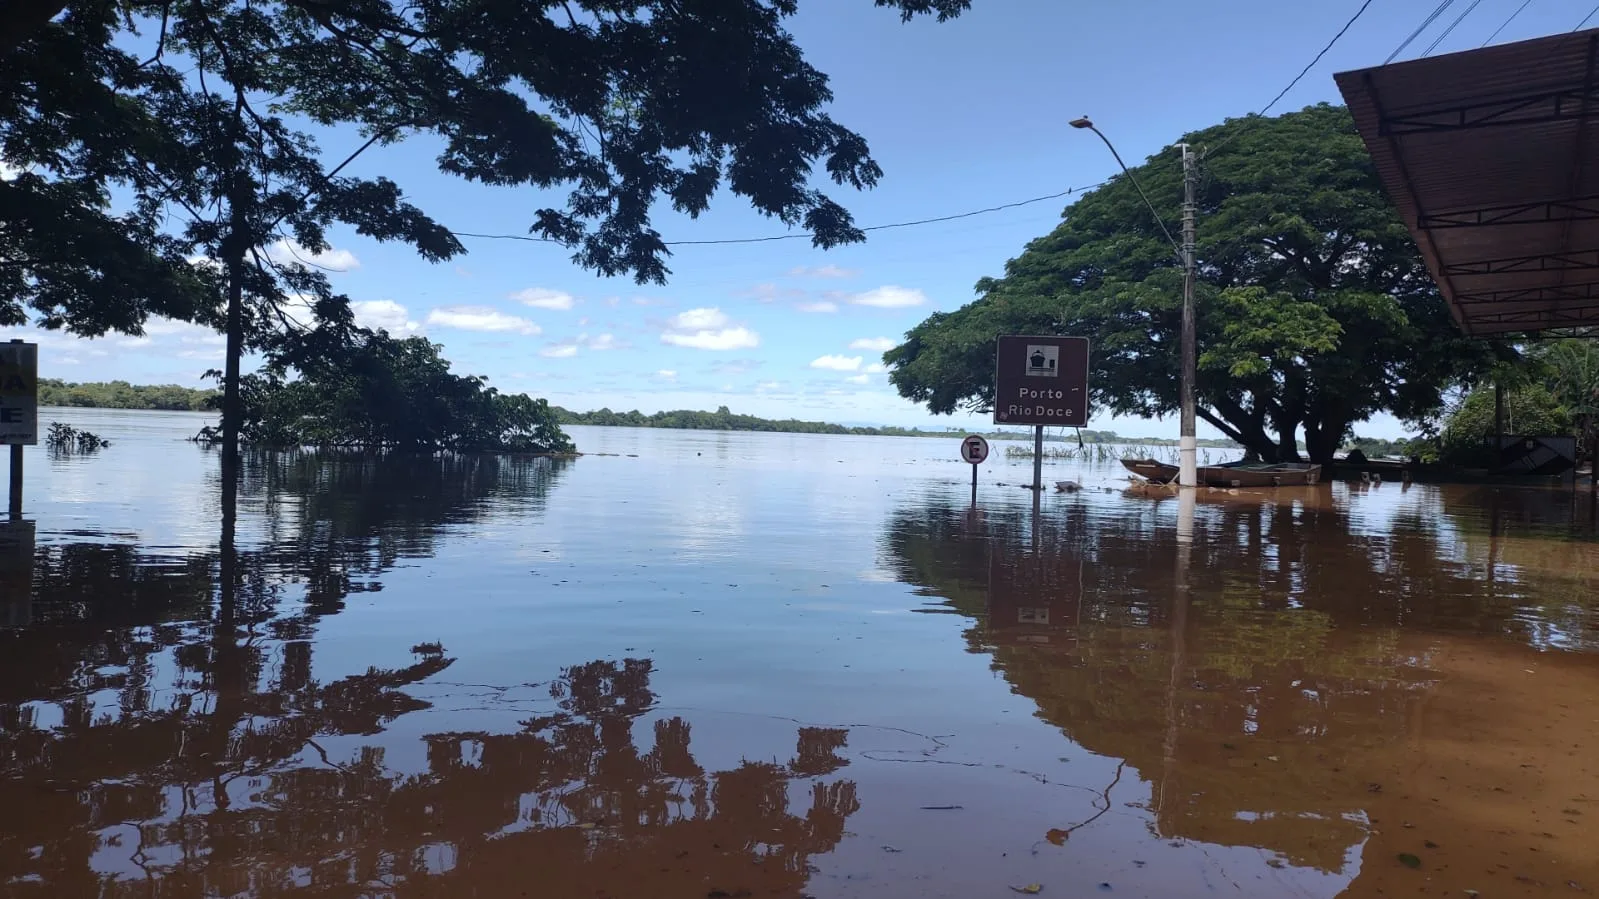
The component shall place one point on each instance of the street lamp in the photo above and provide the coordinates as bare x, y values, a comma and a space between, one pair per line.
1188, 443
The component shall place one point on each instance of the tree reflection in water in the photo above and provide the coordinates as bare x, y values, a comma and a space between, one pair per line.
163, 731
1297, 645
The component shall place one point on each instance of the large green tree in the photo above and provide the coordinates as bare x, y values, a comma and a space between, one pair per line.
1315, 310
151, 132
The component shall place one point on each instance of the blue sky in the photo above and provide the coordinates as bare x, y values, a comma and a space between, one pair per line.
964, 115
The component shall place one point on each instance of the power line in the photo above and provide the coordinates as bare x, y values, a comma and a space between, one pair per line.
804, 234
1302, 73
1591, 13
1458, 19
1506, 24
1425, 24
1306, 70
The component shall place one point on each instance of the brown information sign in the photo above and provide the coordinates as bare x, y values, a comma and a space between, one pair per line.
1041, 381
19, 393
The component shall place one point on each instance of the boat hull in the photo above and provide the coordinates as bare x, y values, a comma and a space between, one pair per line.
1236, 475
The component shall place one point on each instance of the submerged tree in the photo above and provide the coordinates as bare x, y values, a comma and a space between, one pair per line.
383, 392
1315, 309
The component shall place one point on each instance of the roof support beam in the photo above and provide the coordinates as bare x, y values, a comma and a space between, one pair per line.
1553, 105
1570, 315
1582, 209
1581, 260
1555, 293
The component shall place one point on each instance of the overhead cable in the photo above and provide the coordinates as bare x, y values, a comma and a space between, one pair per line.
1425, 24
1458, 19
1302, 73
1506, 23
804, 234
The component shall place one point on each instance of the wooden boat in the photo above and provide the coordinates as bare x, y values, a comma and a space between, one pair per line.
1233, 474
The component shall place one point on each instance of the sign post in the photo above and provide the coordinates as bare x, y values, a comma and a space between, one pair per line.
974, 450
19, 408
16, 573
1041, 381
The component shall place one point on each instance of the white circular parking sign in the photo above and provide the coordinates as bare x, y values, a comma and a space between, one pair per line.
974, 449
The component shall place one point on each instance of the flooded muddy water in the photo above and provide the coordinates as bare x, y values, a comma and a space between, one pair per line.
697, 665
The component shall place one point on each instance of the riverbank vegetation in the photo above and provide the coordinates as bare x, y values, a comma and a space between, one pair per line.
387, 393
122, 395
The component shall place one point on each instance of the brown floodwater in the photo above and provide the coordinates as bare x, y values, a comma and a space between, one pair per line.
699, 665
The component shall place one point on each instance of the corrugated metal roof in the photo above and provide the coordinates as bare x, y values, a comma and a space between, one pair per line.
1492, 157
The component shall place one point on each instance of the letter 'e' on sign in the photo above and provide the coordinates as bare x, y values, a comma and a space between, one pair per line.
974, 449
1041, 381
19, 393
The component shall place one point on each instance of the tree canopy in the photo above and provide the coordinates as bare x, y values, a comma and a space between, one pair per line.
390, 393
1315, 310
162, 106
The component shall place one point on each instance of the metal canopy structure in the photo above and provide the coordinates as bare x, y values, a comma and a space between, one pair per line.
1492, 157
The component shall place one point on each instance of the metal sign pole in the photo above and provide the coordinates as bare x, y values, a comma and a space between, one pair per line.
1038, 457
16, 481
974, 451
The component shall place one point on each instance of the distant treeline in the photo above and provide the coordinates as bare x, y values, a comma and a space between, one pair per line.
724, 419
121, 395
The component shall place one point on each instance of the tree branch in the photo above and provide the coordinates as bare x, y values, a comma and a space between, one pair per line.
25, 18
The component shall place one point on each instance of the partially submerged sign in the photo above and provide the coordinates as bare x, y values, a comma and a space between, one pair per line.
19, 393
1041, 381
974, 449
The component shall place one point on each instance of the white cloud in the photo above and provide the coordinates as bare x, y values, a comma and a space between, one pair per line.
770, 293
288, 252
695, 319
875, 368
735, 366
384, 315
559, 351
8, 172
890, 297
186, 333
768, 386
205, 355
540, 298
837, 363
858, 379
824, 271
872, 344
601, 342
666, 374
480, 318
818, 306
707, 328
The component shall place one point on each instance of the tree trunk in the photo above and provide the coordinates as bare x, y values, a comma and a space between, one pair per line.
1242, 426
1322, 441
1287, 448
232, 409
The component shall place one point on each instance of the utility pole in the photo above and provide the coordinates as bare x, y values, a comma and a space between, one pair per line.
1188, 443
